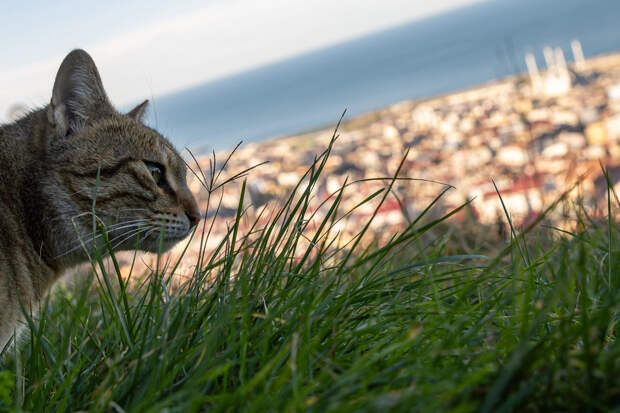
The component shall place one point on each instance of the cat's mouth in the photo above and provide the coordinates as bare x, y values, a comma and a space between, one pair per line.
158, 234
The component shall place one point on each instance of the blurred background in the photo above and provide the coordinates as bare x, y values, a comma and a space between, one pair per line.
219, 72
526, 92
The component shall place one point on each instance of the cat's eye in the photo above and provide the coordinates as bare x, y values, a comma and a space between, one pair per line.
157, 172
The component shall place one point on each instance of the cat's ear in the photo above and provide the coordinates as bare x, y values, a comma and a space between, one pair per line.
78, 95
138, 112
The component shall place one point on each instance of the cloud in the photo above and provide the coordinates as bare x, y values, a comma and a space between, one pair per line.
169, 53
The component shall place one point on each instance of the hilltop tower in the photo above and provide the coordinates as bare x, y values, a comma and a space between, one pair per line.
549, 57
532, 69
560, 61
554, 81
580, 61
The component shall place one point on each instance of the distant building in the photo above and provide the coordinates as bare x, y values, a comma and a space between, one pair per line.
556, 81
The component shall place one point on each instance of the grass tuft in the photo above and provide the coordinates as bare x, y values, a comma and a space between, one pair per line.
281, 316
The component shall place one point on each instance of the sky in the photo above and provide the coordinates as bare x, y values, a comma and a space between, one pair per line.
148, 48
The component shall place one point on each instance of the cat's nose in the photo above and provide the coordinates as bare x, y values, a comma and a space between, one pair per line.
189, 204
194, 218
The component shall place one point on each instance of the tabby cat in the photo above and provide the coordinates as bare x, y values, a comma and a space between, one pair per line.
61, 162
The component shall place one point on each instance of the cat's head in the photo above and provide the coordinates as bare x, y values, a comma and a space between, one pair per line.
109, 162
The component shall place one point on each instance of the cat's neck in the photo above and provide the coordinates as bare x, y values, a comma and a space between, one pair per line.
38, 198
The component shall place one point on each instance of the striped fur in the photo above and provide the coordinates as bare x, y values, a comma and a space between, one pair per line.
59, 161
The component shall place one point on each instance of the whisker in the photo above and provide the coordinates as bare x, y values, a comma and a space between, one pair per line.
92, 238
137, 229
82, 191
131, 235
122, 225
115, 226
114, 214
133, 209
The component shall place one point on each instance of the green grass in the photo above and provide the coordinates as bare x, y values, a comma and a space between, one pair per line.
277, 321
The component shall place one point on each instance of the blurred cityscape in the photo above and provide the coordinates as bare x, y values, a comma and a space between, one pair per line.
534, 135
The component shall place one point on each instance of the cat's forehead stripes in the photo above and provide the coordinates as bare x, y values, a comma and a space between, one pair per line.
139, 140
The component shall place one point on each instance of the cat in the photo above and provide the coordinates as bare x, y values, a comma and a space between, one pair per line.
74, 156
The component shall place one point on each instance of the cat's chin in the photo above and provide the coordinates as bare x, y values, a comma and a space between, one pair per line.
152, 244
158, 245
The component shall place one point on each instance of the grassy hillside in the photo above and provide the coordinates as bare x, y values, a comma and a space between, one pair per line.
274, 321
